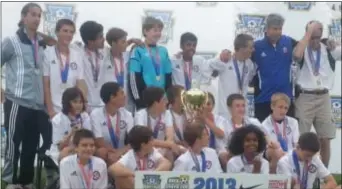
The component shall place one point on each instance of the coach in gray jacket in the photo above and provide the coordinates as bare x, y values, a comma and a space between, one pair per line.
24, 109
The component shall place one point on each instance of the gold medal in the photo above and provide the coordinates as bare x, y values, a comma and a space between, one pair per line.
158, 78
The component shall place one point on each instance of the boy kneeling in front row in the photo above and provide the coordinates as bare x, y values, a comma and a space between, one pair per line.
142, 157
83, 170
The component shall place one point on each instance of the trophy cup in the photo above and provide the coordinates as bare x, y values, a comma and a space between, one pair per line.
193, 101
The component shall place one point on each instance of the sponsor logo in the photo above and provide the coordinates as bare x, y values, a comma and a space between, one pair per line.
151, 181
250, 187
300, 6
181, 182
335, 30
277, 184
168, 21
55, 12
251, 24
336, 110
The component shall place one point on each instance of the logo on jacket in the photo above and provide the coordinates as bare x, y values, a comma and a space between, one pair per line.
168, 21
251, 24
300, 6
335, 29
55, 12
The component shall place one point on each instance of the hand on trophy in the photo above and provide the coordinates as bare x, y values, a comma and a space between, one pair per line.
193, 102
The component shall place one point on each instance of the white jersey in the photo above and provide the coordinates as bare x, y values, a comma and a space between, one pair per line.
71, 175
237, 164
178, 125
61, 126
164, 121
122, 120
131, 162
317, 169
199, 71
52, 69
228, 82
188, 161
220, 122
291, 130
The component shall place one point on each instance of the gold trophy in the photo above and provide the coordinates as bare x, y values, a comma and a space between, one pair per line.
193, 101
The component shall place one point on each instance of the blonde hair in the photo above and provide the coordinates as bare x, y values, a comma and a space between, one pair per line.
276, 97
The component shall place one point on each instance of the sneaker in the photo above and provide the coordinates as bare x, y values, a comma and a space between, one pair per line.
14, 186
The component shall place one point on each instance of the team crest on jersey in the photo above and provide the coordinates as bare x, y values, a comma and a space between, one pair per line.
178, 182
123, 124
208, 164
96, 175
312, 168
251, 24
288, 130
73, 65
206, 55
335, 30
150, 164
168, 21
285, 50
151, 181
299, 5
55, 12
195, 68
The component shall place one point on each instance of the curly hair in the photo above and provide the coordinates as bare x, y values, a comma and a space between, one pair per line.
236, 146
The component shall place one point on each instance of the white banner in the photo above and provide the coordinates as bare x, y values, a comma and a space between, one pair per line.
194, 180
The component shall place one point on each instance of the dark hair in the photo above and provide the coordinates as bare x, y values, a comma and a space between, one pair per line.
236, 145
185, 37
151, 22
69, 95
108, 90
173, 92
114, 34
82, 134
192, 132
309, 142
139, 135
61, 22
25, 10
231, 98
152, 95
241, 41
90, 31
211, 97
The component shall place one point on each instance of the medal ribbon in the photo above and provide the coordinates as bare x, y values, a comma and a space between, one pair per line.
141, 166
178, 133
316, 64
303, 180
77, 121
240, 77
187, 74
95, 68
212, 141
64, 69
119, 72
156, 127
204, 162
282, 137
35, 49
155, 60
86, 178
114, 136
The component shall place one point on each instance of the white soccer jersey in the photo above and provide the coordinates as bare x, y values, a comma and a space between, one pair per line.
221, 123
198, 71
178, 125
228, 81
131, 161
100, 124
186, 161
237, 164
317, 169
73, 177
164, 121
61, 126
52, 69
291, 129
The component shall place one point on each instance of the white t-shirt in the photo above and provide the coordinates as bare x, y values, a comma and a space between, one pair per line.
178, 123
292, 130
316, 168
162, 122
220, 122
237, 164
61, 126
100, 124
185, 162
52, 69
130, 161
228, 81
71, 176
